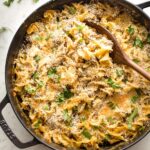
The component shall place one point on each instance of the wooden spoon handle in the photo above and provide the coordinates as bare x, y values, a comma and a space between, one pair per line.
139, 69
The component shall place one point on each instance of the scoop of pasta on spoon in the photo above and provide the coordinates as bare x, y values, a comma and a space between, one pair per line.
118, 55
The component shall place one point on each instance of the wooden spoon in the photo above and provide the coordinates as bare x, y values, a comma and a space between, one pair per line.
118, 55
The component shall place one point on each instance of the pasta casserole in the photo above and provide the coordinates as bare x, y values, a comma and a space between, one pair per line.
70, 88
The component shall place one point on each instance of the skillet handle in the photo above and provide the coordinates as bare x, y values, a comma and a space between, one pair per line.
144, 5
9, 132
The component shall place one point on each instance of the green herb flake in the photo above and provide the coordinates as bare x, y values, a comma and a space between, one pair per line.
148, 39
112, 105
66, 116
107, 137
39, 38
58, 77
142, 128
29, 89
37, 124
80, 27
131, 118
130, 30
80, 40
110, 120
46, 107
51, 72
48, 37
119, 72
8, 2
60, 98
66, 94
37, 58
72, 10
113, 84
95, 127
40, 84
83, 118
35, 75
86, 134
148, 69
138, 43
103, 123
136, 60
137, 96
134, 99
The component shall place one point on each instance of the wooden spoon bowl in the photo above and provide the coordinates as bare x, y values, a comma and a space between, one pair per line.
118, 55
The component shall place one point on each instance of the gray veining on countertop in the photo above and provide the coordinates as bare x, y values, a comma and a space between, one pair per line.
12, 18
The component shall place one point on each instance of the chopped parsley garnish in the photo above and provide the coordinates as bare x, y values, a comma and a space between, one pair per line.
80, 40
40, 84
138, 43
103, 123
66, 94
130, 30
38, 38
137, 96
29, 89
80, 27
66, 116
119, 72
35, 75
51, 72
95, 127
46, 107
37, 58
86, 134
38, 123
83, 118
8, 2
107, 137
113, 84
72, 10
48, 36
110, 120
60, 98
136, 60
142, 128
134, 98
131, 118
112, 105
148, 69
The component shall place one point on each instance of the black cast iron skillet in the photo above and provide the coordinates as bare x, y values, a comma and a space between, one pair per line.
18, 40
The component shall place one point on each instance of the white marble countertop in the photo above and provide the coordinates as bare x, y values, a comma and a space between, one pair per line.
12, 17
